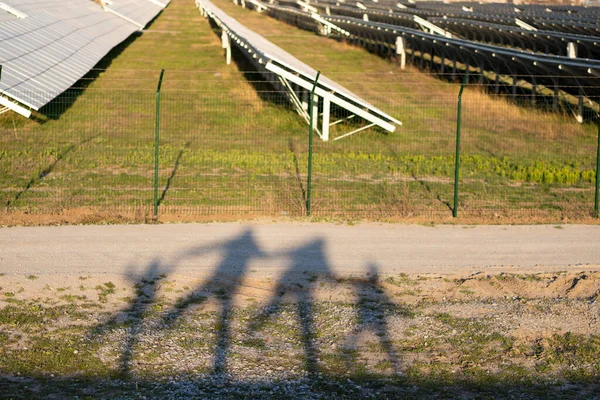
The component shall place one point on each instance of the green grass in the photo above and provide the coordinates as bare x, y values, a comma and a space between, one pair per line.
226, 148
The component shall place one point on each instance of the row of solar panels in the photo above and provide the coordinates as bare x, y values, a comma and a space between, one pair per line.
575, 76
546, 41
533, 10
587, 22
45, 47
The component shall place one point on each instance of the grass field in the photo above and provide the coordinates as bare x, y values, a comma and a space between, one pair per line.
230, 146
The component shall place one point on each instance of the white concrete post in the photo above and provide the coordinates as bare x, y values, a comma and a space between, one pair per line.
571, 50
226, 44
400, 51
326, 111
315, 111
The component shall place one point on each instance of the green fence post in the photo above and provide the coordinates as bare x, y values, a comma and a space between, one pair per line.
457, 160
597, 167
156, 142
310, 145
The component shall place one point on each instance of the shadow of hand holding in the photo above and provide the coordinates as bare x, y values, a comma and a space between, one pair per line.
222, 285
306, 264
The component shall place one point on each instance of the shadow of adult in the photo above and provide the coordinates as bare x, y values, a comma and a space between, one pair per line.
373, 305
224, 282
146, 284
307, 263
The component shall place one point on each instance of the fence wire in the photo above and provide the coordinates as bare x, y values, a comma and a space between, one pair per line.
240, 148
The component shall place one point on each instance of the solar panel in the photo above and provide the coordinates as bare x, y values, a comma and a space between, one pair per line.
58, 42
139, 12
289, 68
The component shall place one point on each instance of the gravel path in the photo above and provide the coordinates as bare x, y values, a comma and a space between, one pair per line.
269, 248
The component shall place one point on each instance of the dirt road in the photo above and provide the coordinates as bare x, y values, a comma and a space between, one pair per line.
266, 248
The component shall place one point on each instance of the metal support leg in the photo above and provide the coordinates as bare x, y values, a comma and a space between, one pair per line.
580, 107
305, 97
326, 112
453, 69
226, 44
316, 111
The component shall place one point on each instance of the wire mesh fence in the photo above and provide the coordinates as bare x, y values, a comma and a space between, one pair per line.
239, 148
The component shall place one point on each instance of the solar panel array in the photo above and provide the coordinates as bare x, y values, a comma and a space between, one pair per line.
495, 54
55, 44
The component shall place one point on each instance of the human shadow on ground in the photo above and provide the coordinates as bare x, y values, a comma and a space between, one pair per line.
237, 253
373, 306
306, 264
146, 284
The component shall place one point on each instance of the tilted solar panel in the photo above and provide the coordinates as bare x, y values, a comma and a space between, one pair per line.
290, 68
55, 43
43, 55
139, 11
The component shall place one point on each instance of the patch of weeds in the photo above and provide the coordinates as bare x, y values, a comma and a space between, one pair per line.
104, 291
384, 365
71, 298
401, 279
474, 340
573, 349
32, 277
89, 305
35, 314
344, 363
12, 300
255, 343
183, 302
467, 292
408, 292
63, 289
543, 367
9, 294
63, 355
83, 278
